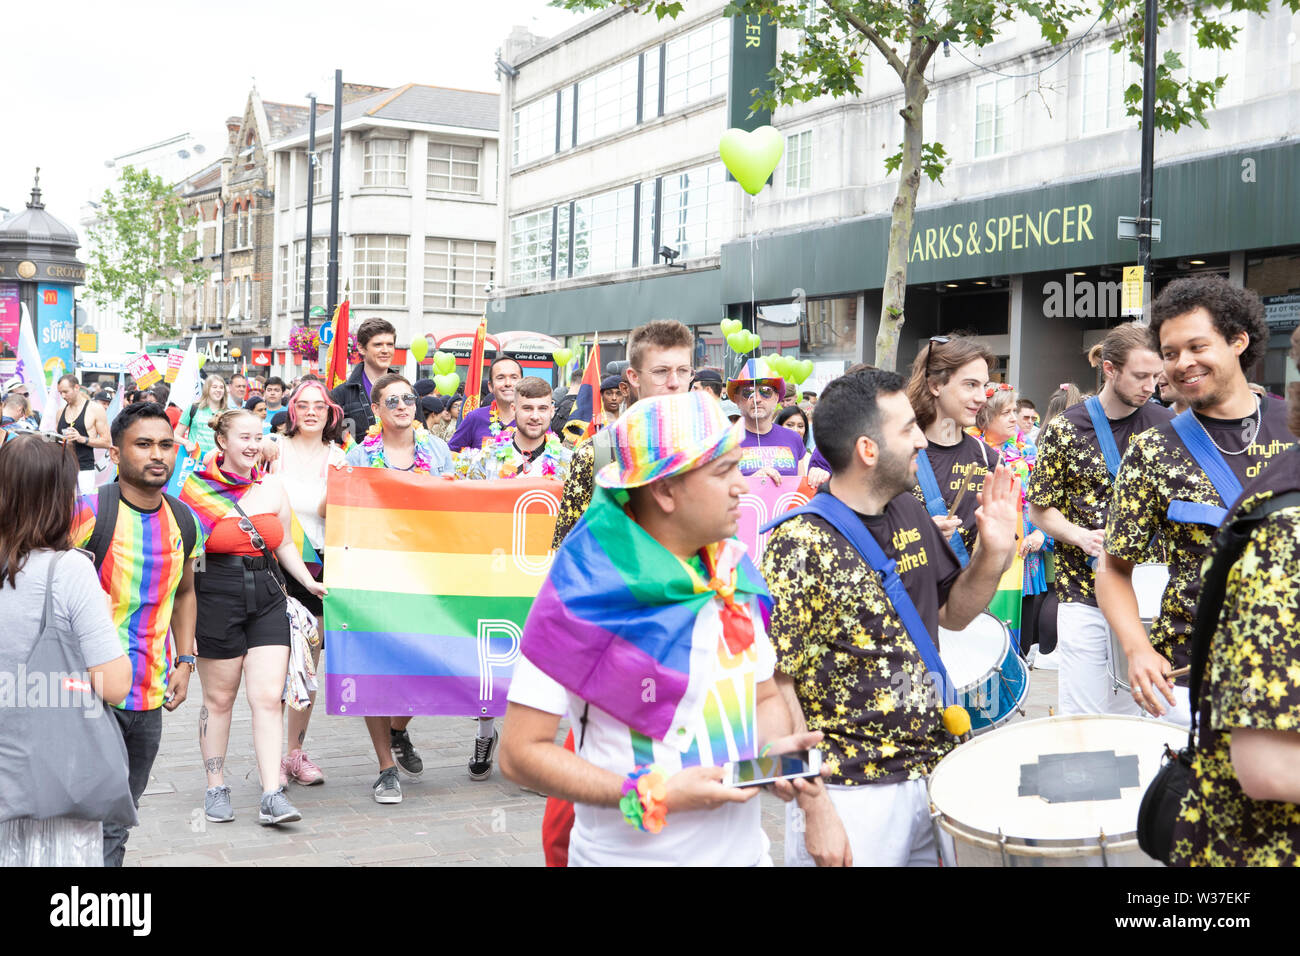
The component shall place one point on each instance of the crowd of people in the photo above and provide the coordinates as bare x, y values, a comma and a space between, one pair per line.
932, 491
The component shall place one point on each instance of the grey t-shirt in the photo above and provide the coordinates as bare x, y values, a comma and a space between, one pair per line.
80, 606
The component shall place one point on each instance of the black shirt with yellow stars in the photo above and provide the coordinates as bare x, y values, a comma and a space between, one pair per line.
576, 497
1158, 469
964, 464
859, 678
1071, 476
1252, 681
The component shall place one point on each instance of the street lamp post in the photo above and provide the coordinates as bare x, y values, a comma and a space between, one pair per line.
1146, 186
311, 199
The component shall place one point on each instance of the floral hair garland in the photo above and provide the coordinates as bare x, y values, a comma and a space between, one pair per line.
373, 444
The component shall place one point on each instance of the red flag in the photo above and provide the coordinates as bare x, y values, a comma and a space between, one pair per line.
588, 403
474, 375
336, 363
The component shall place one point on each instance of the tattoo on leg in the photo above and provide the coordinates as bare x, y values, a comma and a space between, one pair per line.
301, 737
203, 722
214, 764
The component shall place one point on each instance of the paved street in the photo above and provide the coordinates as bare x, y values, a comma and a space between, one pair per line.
444, 818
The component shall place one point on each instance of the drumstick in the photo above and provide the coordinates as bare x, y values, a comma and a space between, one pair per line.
1180, 672
961, 493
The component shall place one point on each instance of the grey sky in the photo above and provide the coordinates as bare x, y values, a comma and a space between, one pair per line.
85, 81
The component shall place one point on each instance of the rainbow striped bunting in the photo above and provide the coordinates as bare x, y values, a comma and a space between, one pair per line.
430, 582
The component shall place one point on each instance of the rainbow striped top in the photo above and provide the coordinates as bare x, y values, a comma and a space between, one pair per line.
140, 574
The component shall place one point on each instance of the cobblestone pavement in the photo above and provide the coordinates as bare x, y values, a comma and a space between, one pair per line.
444, 818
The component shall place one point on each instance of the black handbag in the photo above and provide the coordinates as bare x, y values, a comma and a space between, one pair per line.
1161, 804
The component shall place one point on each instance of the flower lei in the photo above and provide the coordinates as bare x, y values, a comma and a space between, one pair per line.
494, 419
373, 443
643, 802
1017, 453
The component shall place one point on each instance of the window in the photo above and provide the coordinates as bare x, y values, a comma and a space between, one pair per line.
319, 270
282, 193
602, 232
650, 84
247, 312
1103, 90
798, 161
695, 65
324, 181
534, 133
607, 101
241, 227
695, 212
456, 272
530, 247
384, 162
992, 111
453, 169
1203, 65
648, 251
562, 241
284, 279
378, 270
566, 117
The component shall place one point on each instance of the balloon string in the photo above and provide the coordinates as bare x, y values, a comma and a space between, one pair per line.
752, 201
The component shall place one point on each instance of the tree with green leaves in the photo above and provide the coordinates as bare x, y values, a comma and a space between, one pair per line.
137, 251
839, 35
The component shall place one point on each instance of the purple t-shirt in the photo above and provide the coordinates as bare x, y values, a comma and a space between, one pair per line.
780, 449
475, 428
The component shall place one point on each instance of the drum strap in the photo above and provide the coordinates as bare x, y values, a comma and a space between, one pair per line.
934, 502
1105, 437
1216, 469
843, 519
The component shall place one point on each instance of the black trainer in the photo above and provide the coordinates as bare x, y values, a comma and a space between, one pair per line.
480, 768
405, 754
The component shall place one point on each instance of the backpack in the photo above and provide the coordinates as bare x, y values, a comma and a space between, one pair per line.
106, 521
563, 412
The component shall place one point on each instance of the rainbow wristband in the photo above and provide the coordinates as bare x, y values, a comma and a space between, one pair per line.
643, 801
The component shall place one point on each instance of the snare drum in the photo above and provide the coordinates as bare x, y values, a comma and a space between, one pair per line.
1149, 581
992, 681
1060, 791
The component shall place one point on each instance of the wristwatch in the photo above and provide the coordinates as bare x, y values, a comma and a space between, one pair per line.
188, 659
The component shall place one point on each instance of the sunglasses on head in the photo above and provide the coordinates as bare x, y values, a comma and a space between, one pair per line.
934, 340
992, 388
392, 401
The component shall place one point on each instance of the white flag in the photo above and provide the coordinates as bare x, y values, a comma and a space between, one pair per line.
31, 369
53, 406
185, 389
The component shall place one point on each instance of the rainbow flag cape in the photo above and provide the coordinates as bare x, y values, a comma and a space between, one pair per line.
619, 609
211, 494
430, 582
1006, 604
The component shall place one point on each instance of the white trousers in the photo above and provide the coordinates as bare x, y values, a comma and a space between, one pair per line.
86, 482
1083, 681
888, 824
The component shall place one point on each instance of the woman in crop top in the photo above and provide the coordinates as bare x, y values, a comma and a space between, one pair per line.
312, 444
242, 627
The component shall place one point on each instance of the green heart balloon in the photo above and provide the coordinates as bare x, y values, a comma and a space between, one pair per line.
752, 157
446, 384
562, 357
755, 341
419, 348
780, 364
444, 363
730, 325
738, 342
802, 371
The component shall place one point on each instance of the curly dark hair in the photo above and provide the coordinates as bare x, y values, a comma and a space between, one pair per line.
1233, 309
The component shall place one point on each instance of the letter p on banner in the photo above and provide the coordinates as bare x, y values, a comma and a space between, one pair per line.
487, 659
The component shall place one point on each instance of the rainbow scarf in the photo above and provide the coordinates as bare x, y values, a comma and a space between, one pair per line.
619, 611
211, 493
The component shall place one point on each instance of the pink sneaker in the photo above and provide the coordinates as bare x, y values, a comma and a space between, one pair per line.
299, 767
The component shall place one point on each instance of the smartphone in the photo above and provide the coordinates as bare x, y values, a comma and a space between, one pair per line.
765, 770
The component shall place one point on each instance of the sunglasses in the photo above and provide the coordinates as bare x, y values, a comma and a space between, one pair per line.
392, 401
246, 526
934, 340
764, 391
994, 387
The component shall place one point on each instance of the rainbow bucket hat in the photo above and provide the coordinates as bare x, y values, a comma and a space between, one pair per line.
755, 371
667, 435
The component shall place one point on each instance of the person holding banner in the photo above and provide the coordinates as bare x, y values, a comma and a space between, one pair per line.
313, 442
1069, 494
243, 630
861, 580
652, 593
84, 424
397, 442
484, 424
1178, 479
770, 450
947, 389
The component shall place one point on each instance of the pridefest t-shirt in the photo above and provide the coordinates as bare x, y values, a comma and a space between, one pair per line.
140, 574
781, 449
725, 730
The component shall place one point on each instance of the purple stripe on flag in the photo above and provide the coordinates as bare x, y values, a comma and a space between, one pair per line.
601, 667
396, 695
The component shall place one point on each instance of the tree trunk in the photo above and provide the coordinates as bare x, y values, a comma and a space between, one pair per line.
901, 221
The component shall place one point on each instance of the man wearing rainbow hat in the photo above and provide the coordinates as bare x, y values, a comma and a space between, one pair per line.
649, 630
767, 450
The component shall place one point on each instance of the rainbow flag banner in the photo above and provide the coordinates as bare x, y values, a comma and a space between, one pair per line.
430, 582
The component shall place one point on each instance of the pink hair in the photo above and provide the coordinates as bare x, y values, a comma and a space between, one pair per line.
333, 426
